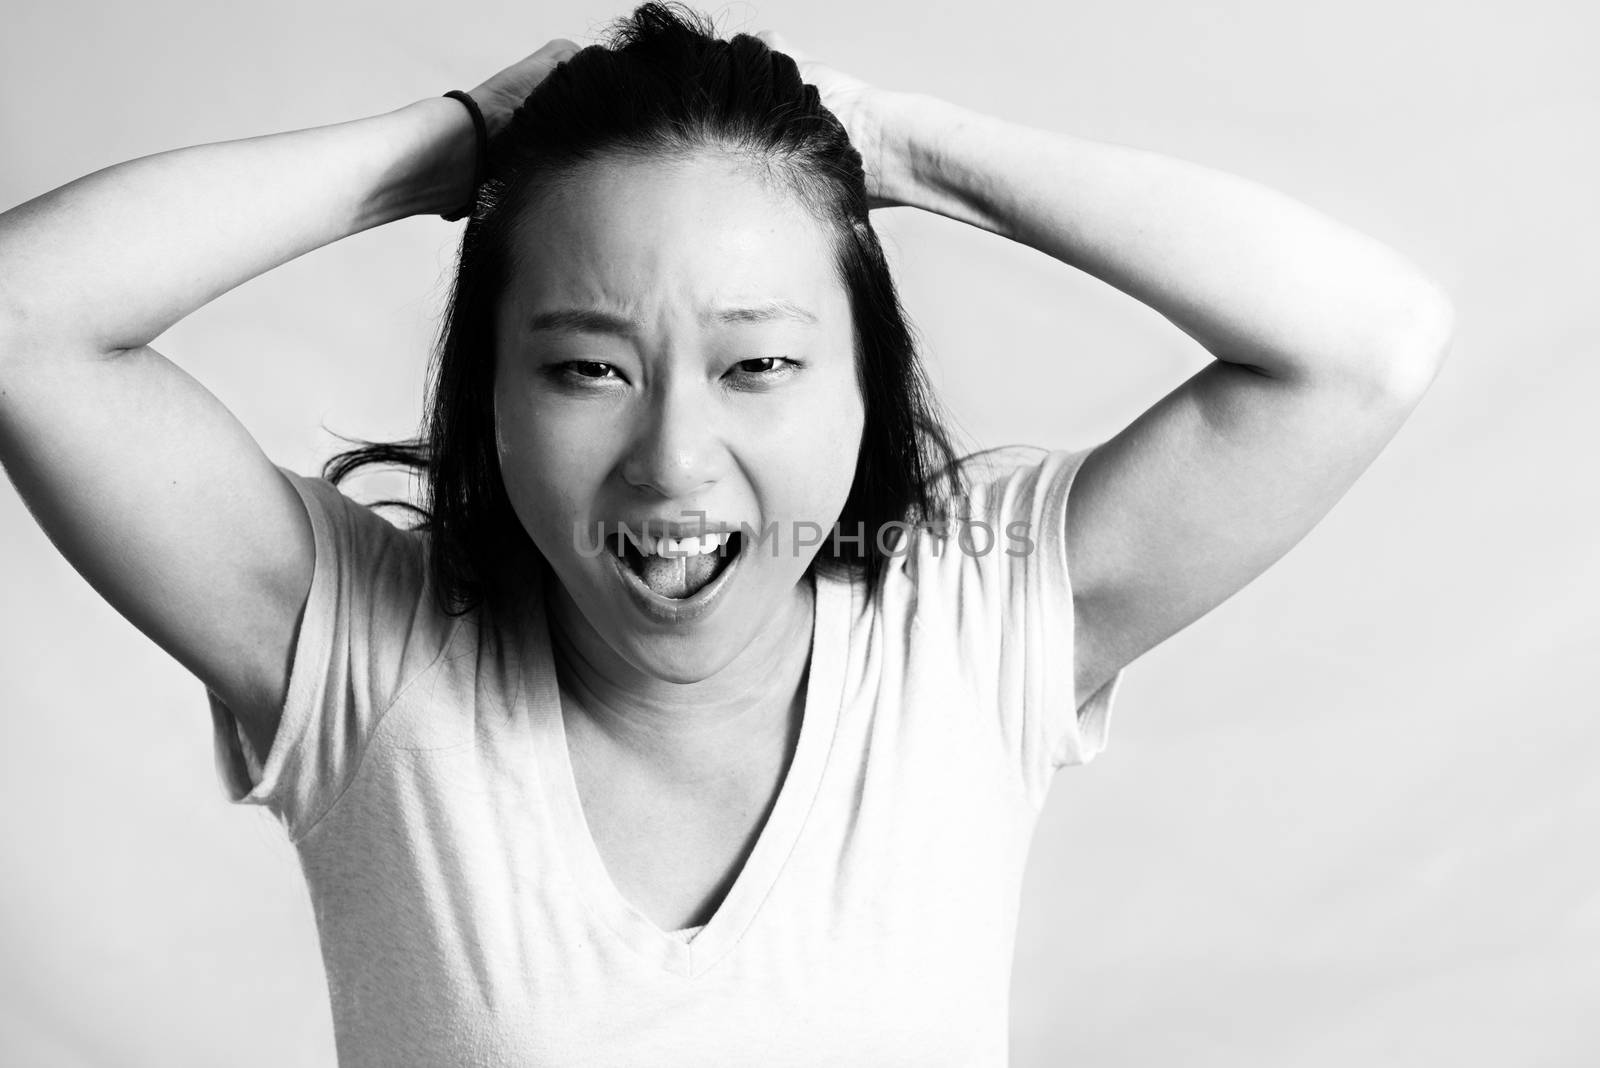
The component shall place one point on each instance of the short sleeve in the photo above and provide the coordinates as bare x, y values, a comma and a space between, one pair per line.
993, 584
369, 624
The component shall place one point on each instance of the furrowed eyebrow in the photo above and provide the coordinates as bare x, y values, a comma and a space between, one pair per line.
764, 312
593, 321
581, 321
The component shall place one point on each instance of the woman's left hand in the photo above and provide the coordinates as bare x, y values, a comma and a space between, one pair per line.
856, 104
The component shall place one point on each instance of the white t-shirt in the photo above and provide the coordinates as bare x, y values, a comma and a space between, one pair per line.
466, 917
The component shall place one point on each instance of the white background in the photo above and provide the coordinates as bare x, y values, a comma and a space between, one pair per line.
1349, 817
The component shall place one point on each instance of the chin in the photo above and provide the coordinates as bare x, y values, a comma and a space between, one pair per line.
678, 659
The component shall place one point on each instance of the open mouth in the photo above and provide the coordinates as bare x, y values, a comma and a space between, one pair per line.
680, 570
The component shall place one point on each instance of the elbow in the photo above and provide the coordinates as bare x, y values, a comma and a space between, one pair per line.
1412, 353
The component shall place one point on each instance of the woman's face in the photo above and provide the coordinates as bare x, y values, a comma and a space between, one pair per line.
674, 341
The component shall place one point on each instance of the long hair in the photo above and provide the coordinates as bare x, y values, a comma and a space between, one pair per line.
662, 86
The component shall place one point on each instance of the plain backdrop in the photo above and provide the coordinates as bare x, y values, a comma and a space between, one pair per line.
1351, 816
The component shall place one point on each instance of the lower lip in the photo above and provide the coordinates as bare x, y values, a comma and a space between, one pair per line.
669, 609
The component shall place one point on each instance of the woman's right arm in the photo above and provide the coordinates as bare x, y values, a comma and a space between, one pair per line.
139, 476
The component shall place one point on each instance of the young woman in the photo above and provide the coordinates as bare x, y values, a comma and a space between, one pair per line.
707, 716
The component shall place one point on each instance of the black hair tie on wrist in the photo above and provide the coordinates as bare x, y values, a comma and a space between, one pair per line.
481, 165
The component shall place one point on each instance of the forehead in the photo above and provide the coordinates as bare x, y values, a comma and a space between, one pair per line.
669, 241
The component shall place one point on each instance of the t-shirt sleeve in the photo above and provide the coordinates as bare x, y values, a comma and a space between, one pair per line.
368, 625
994, 584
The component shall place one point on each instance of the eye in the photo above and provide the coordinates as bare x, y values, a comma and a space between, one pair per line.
765, 367
583, 372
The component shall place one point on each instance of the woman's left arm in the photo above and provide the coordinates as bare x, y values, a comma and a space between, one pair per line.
1324, 339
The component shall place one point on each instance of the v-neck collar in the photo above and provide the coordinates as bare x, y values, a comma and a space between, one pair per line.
824, 685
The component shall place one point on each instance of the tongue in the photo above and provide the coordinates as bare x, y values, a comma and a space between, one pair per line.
680, 576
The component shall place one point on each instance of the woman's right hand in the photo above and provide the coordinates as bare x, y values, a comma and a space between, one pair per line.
502, 94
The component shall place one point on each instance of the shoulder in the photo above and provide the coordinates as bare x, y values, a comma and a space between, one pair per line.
374, 589
345, 515
986, 466
1012, 483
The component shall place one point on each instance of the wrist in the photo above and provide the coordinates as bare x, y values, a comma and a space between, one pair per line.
904, 144
927, 159
435, 162
496, 106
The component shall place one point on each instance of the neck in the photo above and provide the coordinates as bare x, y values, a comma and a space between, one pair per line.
749, 702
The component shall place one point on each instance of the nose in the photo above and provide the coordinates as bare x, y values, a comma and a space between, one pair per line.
676, 451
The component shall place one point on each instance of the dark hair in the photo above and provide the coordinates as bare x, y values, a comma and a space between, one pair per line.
662, 85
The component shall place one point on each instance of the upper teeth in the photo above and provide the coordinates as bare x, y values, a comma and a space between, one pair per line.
650, 545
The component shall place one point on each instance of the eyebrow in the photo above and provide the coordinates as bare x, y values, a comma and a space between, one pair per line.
594, 321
